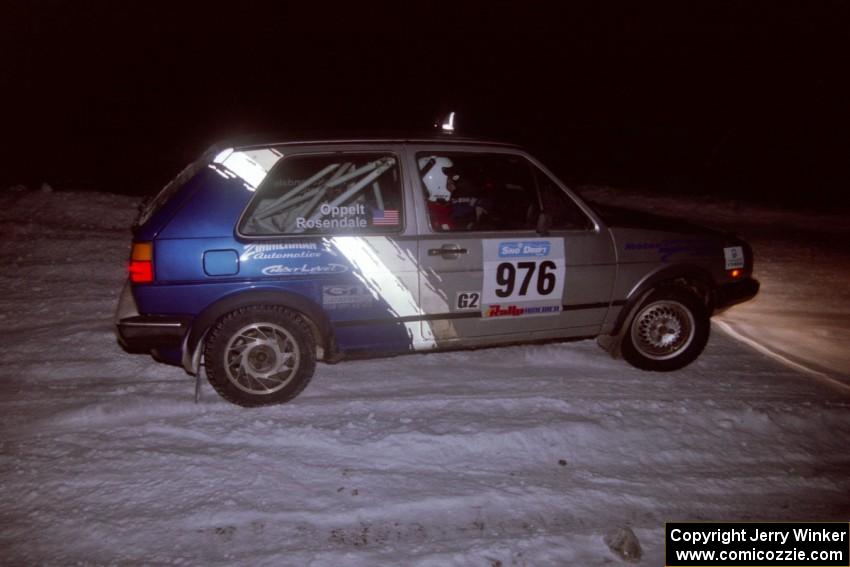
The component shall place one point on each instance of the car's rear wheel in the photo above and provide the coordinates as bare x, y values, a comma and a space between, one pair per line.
260, 355
669, 331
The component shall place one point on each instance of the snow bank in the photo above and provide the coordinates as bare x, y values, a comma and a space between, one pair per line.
519, 456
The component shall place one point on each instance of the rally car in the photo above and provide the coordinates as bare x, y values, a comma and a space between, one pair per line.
261, 258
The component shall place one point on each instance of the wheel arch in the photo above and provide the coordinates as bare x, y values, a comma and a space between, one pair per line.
698, 280
312, 313
695, 278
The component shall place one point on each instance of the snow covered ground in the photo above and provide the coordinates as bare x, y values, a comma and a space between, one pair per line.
516, 456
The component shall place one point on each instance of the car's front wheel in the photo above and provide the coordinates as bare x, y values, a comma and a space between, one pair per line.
669, 331
260, 355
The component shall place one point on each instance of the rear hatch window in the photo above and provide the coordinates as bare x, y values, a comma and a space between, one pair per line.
152, 204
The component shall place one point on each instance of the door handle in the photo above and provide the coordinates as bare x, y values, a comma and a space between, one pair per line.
448, 251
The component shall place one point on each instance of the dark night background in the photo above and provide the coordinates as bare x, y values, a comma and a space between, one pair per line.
739, 99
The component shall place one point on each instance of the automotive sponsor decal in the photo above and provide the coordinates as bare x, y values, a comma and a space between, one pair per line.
280, 251
667, 248
524, 249
734, 256
523, 277
468, 301
281, 270
355, 296
514, 311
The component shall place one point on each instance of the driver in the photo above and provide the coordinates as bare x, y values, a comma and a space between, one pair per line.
433, 171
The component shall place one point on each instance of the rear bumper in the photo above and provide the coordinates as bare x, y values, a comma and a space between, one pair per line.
142, 333
731, 294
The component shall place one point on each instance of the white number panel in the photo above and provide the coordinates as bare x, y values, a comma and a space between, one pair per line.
522, 277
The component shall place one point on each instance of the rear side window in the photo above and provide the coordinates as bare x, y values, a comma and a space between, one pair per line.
338, 193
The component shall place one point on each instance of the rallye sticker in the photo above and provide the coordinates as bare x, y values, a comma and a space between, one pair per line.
522, 277
514, 311
734, 257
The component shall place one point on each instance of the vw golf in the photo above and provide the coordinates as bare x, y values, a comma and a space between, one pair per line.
260, 259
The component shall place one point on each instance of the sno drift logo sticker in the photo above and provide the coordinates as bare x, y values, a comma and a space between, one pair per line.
279, 270
523, 249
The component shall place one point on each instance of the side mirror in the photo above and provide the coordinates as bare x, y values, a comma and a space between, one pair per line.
543, 224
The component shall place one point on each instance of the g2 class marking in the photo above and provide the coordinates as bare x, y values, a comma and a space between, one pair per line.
468, 300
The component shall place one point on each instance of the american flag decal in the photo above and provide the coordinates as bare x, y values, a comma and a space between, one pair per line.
387, 217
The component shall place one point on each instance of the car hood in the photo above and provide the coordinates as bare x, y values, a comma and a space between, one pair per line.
617, 217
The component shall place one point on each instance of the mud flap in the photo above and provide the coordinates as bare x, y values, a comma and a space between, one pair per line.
612, 343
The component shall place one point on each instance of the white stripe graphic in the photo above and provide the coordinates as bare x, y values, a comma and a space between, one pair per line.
368, 256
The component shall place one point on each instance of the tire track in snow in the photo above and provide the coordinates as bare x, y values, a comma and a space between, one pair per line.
821, 376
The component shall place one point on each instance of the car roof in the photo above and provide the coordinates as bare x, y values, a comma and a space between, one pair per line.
307, 138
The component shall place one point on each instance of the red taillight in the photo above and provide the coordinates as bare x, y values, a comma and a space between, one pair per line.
736, 273
141, 272
141, 263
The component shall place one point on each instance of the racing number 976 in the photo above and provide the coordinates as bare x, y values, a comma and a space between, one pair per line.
506, 277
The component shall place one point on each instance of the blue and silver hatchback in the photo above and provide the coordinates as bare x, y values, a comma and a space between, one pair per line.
259, 260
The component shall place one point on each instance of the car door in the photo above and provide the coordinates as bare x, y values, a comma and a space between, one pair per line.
486, 274
330, 224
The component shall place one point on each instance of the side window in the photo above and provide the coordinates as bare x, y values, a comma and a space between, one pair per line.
478, 192
564, 213
328, 194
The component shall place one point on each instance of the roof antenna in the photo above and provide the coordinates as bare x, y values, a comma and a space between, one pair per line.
448, 125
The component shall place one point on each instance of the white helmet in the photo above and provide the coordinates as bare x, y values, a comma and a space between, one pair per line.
435, 177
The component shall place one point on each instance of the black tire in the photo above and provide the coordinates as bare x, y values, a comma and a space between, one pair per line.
668, 331
260, 355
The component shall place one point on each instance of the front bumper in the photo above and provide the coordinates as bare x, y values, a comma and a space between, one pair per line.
733, 293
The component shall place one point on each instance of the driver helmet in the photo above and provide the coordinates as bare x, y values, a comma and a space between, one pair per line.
435, 177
